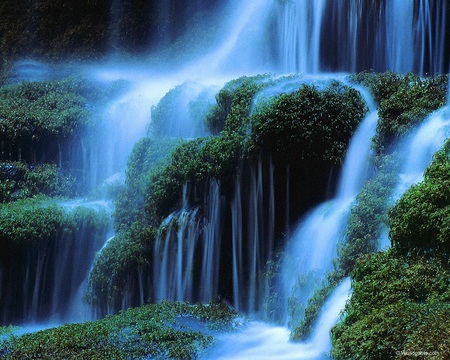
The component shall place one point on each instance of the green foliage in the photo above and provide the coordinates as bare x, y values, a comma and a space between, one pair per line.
20, 181
117, 262
419, 221
393, 297
400, 303
309, 123
367, 216
303, 322
191, 162
233, 104
180, 114
35, 221
404, 101
148, 155
45, 115
161, 331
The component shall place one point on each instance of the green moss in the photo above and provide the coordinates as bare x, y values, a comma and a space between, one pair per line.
176, 116
419, 221
119, 260
393, 297
161, 331
399, 295
368, 215
19, 181
147, 157
38, 220
403, 102
309, 123
233, 104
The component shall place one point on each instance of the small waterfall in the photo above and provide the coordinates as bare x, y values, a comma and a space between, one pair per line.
313, 245
184, 238
300, 30
211, 246
173, 259
352, 36
265, 342
399, 43
252, 239
416, 153
47, 280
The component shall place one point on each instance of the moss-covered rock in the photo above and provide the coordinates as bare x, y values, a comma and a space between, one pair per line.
160, 331
121, 267
393, 297
403, 102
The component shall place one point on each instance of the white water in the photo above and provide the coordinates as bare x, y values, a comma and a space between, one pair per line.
416, 153
266, 342
313, 246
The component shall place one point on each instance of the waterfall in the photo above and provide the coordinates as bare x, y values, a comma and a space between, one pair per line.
173, 259
261, 341
312, 247
352, 36
300, 31
416, 153
46, 281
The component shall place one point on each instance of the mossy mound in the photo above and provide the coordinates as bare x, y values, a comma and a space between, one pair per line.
159, 331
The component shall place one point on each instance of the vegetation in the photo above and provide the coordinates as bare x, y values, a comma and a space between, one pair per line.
148, 155
181, 111
117, 267
160, 331
394, 299
310, 123
419, 221
18, 181
403, 102
400, 293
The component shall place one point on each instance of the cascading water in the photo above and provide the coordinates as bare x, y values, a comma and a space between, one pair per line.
265, 342
357, 35
313, 245
416, 153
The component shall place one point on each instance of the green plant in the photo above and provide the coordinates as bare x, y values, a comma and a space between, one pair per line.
161, 331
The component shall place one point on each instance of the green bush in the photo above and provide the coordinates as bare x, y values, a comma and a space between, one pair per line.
38, 220
233, 104
419, 220
404, 101
116, 263
166, 330
180, 114
368, 215
309, 123
393, 296
19, 181
148, 155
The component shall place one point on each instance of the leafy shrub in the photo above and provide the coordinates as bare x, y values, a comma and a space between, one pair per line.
181, 111
116, 264
19, 181
309, 123
234, 100
148, 154
393, 296
418, 222
404, 101
165, 330
368, 214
